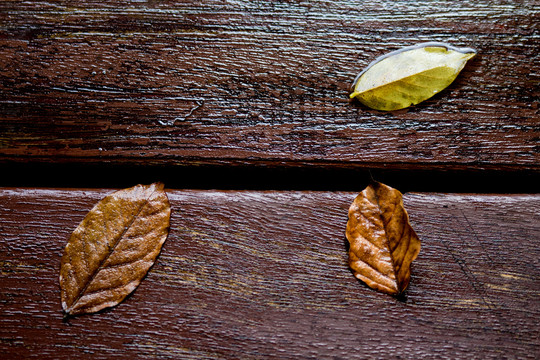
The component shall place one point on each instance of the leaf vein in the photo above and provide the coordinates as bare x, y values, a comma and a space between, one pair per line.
111, 250
375, 270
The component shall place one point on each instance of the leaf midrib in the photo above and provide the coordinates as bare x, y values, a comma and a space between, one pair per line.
111, 250
422, 73
385, 224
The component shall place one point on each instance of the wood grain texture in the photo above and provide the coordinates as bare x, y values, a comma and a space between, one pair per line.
249, 82
249, 274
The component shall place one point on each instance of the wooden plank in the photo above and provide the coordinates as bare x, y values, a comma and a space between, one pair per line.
256, 82
254, 274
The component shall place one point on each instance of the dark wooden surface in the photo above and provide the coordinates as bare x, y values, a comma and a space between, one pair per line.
250, 82
250, 274
214, 95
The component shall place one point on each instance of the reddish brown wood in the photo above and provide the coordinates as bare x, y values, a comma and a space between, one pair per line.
250, 82
249, 274
105, 87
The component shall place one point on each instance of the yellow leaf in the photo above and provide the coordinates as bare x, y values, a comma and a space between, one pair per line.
409, 76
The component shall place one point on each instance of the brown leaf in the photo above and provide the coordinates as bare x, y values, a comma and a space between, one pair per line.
382, 242
112, 249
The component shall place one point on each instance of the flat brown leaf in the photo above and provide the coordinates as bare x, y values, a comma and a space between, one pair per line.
382, 242
112, 249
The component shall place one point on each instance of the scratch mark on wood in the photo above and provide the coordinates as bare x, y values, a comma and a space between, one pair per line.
477, 285
484, 250
193, 109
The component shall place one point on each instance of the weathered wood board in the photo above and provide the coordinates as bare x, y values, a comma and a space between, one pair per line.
260, 275
261, 82
233, 94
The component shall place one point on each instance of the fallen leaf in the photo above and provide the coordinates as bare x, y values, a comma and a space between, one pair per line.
410, 75
112, 249
382, 242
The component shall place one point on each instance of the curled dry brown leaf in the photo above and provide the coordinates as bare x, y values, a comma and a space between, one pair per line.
112, 249
382, 242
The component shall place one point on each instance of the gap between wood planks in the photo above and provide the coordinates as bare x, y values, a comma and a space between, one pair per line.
91, 175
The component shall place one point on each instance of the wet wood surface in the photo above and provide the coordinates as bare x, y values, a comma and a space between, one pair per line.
242, 109
261, 82
260, 275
